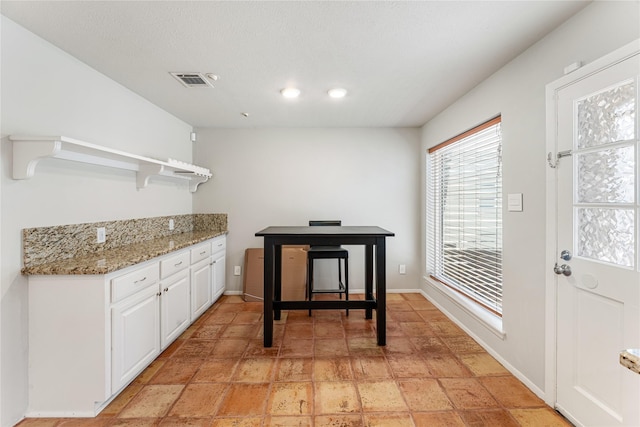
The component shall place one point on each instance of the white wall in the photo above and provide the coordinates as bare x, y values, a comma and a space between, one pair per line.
47, 92
518, 92
288, 176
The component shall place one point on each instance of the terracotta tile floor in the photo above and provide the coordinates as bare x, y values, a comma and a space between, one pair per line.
324, 370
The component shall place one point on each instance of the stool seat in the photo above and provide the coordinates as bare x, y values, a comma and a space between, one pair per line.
328, 252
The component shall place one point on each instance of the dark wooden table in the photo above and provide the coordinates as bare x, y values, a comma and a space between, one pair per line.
373, 238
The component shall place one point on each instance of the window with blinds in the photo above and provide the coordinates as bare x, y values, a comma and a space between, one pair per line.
464, 214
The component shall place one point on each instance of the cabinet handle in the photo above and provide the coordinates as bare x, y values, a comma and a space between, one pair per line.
180, 263
220, 245
203, 252
166, 289
141, 280
159, 294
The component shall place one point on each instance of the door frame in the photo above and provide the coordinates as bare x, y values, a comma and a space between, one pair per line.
551, 255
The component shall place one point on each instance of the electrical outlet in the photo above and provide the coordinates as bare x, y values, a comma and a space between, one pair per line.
171, 225
101, 235
237, 270
402, 269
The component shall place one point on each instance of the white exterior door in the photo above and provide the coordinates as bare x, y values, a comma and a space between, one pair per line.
598, 213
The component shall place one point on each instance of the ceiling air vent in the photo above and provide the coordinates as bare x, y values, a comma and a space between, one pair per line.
192, 79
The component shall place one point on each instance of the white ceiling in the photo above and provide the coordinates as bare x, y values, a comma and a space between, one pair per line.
402, 62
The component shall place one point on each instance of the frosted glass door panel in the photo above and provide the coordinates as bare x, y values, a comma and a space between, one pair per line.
606, 235
607, 117
605, 168
606, 176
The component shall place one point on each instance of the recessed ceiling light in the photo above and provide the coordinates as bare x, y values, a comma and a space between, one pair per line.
337, 92
290, 92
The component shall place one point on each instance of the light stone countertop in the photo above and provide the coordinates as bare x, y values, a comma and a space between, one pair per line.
118, 258
631, 359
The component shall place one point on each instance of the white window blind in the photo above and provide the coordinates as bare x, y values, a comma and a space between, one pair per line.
464, 214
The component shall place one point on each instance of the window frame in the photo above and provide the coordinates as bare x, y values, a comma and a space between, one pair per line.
474, 306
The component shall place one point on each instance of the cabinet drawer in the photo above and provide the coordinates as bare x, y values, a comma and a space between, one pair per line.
219, 244
200, 252
174, 264
130, 283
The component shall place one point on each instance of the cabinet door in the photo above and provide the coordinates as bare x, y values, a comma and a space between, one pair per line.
200, 288
174, 307
218, 275
135, 323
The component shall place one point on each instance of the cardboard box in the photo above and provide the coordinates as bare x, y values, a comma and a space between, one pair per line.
253, 283
294, 273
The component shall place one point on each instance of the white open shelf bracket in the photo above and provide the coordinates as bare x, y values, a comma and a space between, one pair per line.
29, 150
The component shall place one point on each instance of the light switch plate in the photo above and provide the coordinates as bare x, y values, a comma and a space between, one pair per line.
514, 202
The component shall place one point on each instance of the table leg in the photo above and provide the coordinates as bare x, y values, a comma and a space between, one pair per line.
368, 278
269, 249
277, 278
381, 291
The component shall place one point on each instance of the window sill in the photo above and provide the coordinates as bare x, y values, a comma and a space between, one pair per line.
489, 320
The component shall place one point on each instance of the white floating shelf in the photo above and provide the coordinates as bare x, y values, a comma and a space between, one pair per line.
29, 150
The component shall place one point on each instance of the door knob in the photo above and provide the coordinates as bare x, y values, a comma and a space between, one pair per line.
565, 255
562, 269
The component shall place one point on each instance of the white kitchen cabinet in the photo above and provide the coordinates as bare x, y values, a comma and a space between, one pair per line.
201, 275
135, 323
200, 252
200, 288
174, 263
135, 338
218, 249
175, 286
90, 335
219, 244
175, 307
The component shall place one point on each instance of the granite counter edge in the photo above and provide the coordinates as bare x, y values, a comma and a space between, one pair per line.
96, 264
